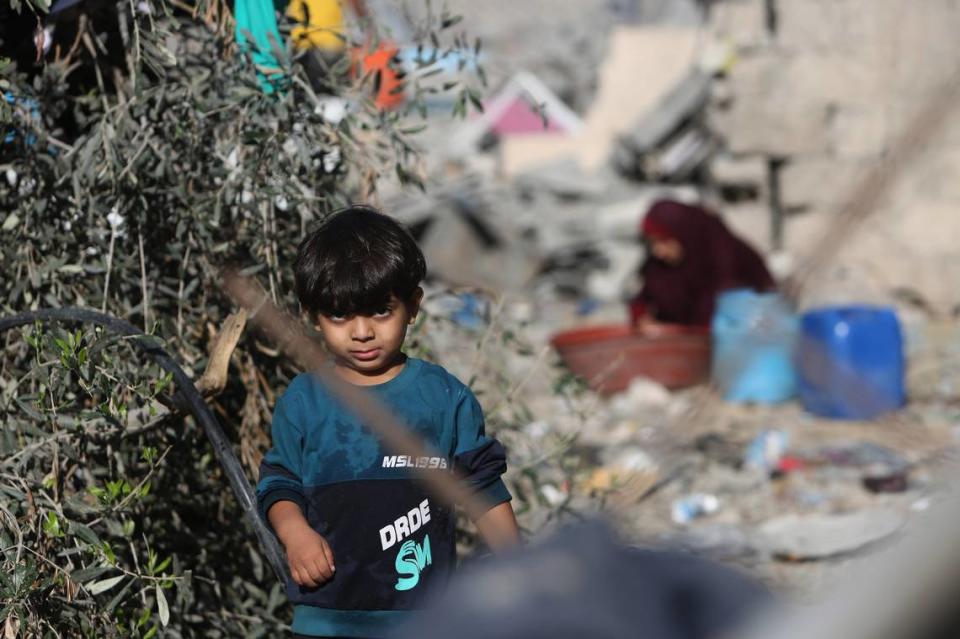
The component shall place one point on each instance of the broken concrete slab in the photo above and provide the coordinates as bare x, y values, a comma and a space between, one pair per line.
530, 153
564, 179
742, 172
679, 158
817, 182
859, 132
670, 142
659, 55
814, 537
643, 64
721, 542
464, 249
741, 22
662, 120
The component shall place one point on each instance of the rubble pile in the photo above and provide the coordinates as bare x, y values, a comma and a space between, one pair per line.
770, 116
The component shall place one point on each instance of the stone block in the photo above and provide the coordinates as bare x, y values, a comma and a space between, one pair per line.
756, 126
859, 132
836, 26
743, 171
912, 46
742, 23
818, 182
751, 222
932, 179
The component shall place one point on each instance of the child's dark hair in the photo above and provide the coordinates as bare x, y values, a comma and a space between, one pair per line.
355, 261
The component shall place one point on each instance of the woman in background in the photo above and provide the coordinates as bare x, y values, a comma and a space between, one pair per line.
691, 258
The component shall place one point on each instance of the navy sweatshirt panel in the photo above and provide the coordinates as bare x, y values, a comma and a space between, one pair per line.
360, 521
391, 540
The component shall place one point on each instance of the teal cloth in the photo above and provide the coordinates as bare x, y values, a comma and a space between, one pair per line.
257, 19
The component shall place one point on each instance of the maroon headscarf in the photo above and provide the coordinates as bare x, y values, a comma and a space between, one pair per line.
714, 260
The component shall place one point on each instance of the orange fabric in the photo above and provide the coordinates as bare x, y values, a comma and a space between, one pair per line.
390, 96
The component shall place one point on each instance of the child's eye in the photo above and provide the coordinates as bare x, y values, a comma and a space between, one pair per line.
383, 312
336, 317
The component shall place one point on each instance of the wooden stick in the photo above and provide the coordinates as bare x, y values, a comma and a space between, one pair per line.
214, 378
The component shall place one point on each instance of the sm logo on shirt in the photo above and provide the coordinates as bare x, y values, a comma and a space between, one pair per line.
411, 560
412, 557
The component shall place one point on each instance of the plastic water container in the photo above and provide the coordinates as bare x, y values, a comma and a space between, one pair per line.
754, 339
850, 362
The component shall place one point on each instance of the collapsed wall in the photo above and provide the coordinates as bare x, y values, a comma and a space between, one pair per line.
818, 91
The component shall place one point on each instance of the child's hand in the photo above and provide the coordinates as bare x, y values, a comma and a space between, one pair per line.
310, 558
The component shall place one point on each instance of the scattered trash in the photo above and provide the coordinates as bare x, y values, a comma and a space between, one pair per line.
587, 306
790, 463
883, 479
332, 109
810, 499
474, 311
815, 537
766, 450
854, 454
553, 495
636, 483
686, 509
640, 396
537, 429
633, 460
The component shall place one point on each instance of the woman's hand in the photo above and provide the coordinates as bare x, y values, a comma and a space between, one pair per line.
649, 327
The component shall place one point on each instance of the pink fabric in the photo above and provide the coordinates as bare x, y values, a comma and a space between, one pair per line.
520, 118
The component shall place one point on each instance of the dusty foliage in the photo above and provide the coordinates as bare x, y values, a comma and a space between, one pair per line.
130, 175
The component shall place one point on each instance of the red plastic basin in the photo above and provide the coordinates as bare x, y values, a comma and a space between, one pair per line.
608, 357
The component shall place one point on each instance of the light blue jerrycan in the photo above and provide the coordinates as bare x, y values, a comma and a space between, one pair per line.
754, 338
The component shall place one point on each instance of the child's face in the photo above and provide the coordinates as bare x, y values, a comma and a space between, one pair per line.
366, 348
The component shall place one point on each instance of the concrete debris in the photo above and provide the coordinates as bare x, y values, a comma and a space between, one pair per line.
643, 64
541, 227
681, 103
739, 178
813, 537
564, 179
465, 250
660, 55
670, 142
721, 542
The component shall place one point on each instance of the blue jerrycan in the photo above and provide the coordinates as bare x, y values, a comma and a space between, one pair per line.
850, 362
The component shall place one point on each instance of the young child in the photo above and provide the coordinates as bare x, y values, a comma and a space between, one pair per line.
365, 539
